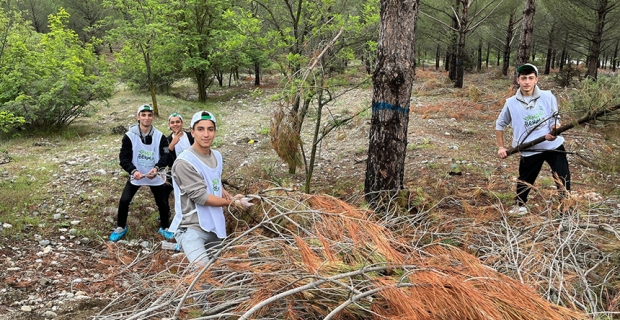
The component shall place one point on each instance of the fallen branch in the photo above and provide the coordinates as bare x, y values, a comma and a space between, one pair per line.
563, 128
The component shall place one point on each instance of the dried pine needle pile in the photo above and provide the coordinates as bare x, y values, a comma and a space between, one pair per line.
297, 256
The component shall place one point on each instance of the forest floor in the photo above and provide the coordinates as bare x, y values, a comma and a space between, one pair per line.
60, 265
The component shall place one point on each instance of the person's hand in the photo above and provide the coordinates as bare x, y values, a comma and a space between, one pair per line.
177, 136
244, 202
226, 195
550, 137
137, 175
502, 152
152, 173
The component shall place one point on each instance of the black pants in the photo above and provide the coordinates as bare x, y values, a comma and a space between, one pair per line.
159, 193
529, 168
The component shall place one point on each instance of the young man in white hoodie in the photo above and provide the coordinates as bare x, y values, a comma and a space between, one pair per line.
144, 155
533, 113
199, 195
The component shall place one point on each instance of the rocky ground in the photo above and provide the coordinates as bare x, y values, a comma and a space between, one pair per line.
59, 271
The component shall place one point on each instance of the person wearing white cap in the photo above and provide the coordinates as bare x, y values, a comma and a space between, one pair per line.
178, 141
533, 113
199, 223
144, 155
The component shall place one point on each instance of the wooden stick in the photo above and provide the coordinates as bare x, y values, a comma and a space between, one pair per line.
563, 128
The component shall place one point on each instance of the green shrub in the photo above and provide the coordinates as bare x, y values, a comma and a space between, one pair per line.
50, 80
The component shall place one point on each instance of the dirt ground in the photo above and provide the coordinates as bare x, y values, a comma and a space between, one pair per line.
450, 131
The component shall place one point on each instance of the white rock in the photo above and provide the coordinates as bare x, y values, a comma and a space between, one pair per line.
7, 225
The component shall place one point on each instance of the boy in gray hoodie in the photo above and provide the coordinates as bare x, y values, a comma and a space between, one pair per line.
533, 113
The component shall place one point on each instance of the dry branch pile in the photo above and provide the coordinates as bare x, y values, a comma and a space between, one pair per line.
316, 257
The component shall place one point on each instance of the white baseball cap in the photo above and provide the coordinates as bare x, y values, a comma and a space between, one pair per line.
202, 115
174, 114
144, 107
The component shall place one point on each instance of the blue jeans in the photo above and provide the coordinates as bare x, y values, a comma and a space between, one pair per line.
198, 245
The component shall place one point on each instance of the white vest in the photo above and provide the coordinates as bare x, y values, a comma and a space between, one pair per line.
145, 158
211, 218
182, 144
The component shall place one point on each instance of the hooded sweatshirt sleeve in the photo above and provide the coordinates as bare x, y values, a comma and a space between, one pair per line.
126, 155
164, 153
504, 118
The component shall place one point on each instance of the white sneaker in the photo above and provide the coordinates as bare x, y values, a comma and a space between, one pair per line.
518, 210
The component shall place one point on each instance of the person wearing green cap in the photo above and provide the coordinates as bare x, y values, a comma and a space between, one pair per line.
178, 141
199, 194
533, 113
144, 155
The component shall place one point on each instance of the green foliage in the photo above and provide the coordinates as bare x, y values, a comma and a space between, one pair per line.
594, 95
566, 76
132, 70
9, 121
51, 80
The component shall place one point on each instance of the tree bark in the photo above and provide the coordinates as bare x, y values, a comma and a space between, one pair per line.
499, 55
453, 47
597, 39
256, 74
563, 128
392, 84
437, 58
509, 31
614, 60
479, 65
460, 48
527, 30
149, 74
488, 54
549, 50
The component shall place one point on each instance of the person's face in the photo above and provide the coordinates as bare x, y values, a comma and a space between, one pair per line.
145, 118
176, 124
527, 82
204, 133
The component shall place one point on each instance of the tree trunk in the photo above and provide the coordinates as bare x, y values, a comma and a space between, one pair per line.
201, 84
549, 50
563, 54
392, 84
460, 49
614, 61
488, 54
595, 43
527, 30
149, 74
256, 74
507, 44
479, 65
499, 55
437, 58
452, 49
